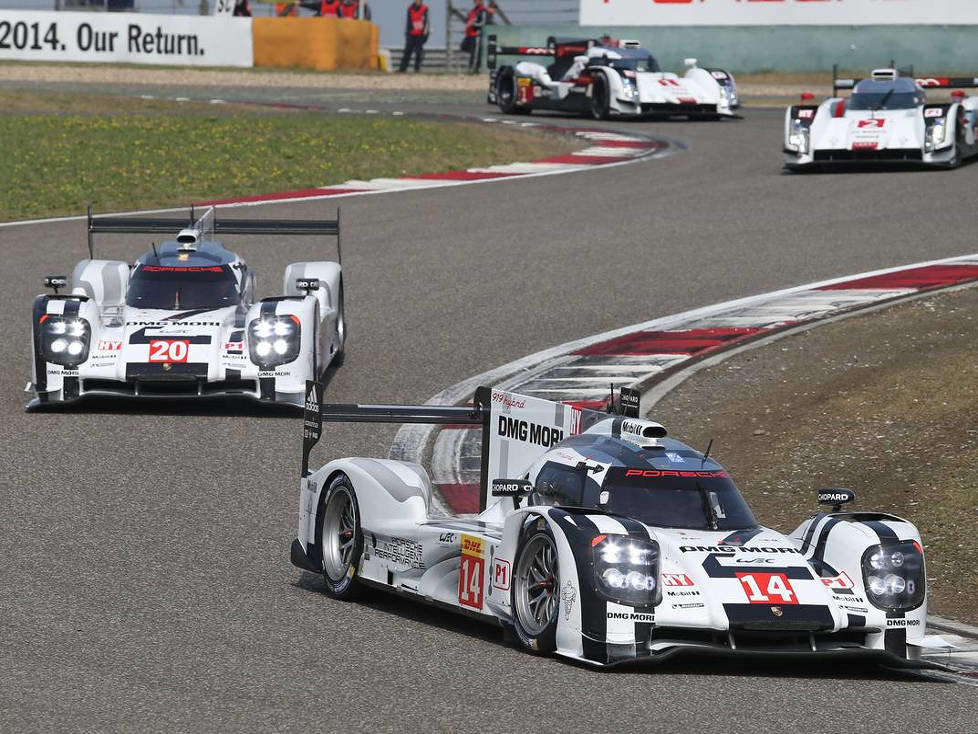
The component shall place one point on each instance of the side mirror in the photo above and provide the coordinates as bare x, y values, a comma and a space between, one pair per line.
691, 63
835, 497
307, 285
56, 282
511, 487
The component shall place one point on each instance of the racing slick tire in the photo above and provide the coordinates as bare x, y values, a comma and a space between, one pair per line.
506, 95
600, 98
535, 591
340, 537
340, 327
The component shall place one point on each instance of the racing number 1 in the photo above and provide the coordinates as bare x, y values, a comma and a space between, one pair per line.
767, 588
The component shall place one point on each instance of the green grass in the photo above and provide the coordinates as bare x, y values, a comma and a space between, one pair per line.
64, 151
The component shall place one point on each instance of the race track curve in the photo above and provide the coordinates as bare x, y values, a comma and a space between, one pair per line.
146, 582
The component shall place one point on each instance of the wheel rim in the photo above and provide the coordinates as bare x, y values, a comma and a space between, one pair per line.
505, 92
339, 534
537, 584
597, 100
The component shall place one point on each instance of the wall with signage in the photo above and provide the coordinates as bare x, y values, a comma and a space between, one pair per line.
778, 12
131, 38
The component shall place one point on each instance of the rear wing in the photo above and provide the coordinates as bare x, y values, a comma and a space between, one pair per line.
202, 227
516, 429
555, 47
927, 82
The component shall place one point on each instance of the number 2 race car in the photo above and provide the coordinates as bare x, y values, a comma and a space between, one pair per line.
604, 541
886, 119
604, 78
183, 321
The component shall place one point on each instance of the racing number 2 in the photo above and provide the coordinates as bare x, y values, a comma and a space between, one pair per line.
767, 588
168, 350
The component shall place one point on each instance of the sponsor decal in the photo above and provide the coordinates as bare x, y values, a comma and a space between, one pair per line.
718, 74
806, 114
874, 122
568, 596
734, 549
109, 345
842, 581
753, 559
676, 579
668, 83
683, 593
632, 616
859, 610
767, 588
501, 574
865, 145
689, 605
266, 373
896, 623
501, 397
401, 552
675, 458
471, 570
448, 538
174, 351
528, 432
654, 473
934, 112
236, 347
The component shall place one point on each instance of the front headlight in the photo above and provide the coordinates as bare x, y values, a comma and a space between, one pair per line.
893, 574
626, 571
935, 135
64, 340
628, 89
273, 341
799, 137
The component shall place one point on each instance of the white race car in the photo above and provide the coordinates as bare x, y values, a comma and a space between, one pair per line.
605, 78
604, 541
886, 119
183, 320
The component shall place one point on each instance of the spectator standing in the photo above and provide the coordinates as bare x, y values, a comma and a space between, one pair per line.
241, 9
329, 7
349, 8
415, 35
477, 18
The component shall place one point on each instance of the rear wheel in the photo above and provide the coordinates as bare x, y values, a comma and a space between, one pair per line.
340, 323
600, 98
341, 539
535, 592
506, 93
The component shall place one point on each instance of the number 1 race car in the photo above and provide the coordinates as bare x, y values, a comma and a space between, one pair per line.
604, 541
184, 321
886, 119
604, 78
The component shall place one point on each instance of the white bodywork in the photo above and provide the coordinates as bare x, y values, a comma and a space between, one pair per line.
716, 590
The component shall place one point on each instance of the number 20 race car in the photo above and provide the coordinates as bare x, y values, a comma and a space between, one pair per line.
605, 78
604, 541
886, 119
183, 321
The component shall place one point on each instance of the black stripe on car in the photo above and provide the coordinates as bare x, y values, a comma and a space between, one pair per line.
266, 385
40, 364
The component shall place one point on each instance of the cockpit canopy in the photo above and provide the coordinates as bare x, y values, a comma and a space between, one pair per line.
900, 93
176, 288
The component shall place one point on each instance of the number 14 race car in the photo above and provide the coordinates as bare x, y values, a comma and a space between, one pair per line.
605, 77
604, 541
886, 119
184, 321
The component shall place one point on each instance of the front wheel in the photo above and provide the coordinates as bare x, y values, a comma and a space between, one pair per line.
506, 93
341, 539
340, 323
600, 98
535, 592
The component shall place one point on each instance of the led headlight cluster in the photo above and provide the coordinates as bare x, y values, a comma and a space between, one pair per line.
628, 89
893, 575
64, 340
799, 136
274, 340
935, 134
626, 570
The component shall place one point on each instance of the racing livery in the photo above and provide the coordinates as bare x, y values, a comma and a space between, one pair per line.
886, 119
605, 78
602, 540
184, 321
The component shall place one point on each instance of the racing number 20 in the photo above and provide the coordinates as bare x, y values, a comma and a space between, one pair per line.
470, 573
767, 588
168, 350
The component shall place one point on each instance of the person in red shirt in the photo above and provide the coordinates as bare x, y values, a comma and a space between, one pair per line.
349, 8
329, 7
415, 35
477, 18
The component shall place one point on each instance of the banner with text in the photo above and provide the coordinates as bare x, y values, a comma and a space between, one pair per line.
133, 38
778, 12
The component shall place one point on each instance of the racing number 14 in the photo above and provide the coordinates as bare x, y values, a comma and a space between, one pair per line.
767, 588
470, 581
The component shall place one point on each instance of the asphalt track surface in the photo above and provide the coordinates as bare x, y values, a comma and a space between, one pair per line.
145, 582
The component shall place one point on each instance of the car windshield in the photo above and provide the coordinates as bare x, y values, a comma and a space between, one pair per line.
885, 101
639, 63
677, 499
170, 288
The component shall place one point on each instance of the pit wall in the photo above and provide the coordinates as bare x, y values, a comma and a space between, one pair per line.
931, 49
